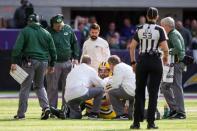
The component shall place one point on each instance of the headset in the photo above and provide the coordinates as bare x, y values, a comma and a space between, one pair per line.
52, 20
33, 18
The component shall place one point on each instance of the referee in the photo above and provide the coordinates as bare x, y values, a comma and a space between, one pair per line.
150, 37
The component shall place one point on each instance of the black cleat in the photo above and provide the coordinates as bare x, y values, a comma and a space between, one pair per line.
45, 114
172, 114
152, 126
121, 117
62, 114
16, 117
51, 115
93, 115
135, 126
178, 116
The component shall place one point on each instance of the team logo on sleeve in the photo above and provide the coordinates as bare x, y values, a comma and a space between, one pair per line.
191, 81
65, 33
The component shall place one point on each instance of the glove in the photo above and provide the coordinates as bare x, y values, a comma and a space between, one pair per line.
188, 60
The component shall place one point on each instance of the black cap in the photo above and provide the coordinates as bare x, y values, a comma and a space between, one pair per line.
33, 18
152, 12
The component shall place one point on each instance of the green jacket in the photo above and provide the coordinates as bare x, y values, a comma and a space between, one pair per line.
36, 43
65, 43
176, 44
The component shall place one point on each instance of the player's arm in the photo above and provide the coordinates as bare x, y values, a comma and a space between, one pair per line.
74, 47
83, 51
134, 44
106, 52
164, 48
163, 45
18, 47
178, 49
117, 78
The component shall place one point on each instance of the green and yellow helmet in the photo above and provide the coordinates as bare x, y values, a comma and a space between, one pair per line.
104, 65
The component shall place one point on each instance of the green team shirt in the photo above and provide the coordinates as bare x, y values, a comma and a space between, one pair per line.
65, 43
36, 43
176, 44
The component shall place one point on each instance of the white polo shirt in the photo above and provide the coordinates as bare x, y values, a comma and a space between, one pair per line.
123, 76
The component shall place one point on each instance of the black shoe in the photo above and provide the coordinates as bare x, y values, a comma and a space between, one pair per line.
51, 115
122, 117
93, 115
172, 114
62, 115
55, 112
135, 126
65, 112
178, 116
152, 126
16, 117
45, 114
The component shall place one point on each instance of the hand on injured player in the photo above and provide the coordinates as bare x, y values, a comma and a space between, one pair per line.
108, 84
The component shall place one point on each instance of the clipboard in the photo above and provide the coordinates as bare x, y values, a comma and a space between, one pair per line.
168, 70
19, 74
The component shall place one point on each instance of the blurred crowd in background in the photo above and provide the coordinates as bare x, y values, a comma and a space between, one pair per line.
118, 36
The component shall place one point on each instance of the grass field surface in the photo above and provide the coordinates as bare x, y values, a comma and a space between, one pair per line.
8, 108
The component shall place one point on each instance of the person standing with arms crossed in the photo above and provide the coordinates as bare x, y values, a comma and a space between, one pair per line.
150, 37
34, 44
96, 47
67, 50
173, 92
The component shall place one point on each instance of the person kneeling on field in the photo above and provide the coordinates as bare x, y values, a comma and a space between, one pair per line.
123, 87
106, 110
82, 84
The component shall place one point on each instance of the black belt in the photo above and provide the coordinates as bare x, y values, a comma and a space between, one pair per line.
151, 53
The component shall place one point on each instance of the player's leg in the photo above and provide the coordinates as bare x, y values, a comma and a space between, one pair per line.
117, 104
52, 86
24, 92
141, 81
66, 68
39, 88
97, 94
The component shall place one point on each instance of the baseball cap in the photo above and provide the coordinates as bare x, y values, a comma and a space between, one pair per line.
58, 18
152, 12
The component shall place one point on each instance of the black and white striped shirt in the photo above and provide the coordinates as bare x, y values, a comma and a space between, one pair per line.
149, 36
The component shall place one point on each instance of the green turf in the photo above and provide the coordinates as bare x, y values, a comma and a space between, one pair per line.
32, 122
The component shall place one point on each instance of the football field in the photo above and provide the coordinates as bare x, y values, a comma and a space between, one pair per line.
32, 122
